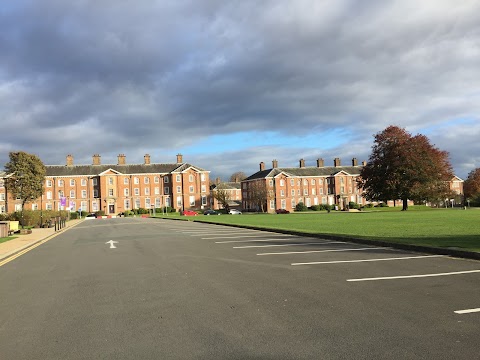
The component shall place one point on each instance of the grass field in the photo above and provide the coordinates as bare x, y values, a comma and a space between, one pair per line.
450, 228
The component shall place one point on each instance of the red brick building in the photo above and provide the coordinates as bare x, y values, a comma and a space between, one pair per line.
115, 188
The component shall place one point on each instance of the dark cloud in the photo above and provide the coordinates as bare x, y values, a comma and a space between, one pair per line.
131, 77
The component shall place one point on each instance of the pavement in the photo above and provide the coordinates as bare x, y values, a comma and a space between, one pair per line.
22, 242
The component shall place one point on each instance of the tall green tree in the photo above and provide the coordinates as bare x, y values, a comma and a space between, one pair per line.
406, 167
25, 176
471, 186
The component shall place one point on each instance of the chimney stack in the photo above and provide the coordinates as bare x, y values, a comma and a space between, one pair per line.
337, 162
96, 159
364, 163
262, 166
274, 164
146, 159
302, 163
320, 163
69, 160
354, 162
179, 158
121, 159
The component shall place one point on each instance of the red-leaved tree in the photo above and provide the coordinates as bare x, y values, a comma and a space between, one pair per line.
406, 167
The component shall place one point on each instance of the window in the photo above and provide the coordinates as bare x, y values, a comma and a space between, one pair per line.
2, 209
95, 193
305, 191
110, 180
95, 181
179, 201
60, 183
84, 182
72, 182
204, 188
48, 206
179, 189
49, 195
167, 190
35, 206
72, 194
60, 193
84, 194
49, 183
204, 200
167, 202
166, 180
293, 204
270, 183
157, 190
18, 207
282, 182
272, 204
84, 205
125, 180
313, 182
190, 178
284, 204
298, 191
202, 177
305, 182
190, 189
110, 192
314, 191
146, 180
158, 203
2, 196
125, 192
136, 191
147, 203
136, 180
178, 178
192, 200
147, 191
137, 203
95, 206
321, 191
293, 192
292, 182
282, 192
156, 179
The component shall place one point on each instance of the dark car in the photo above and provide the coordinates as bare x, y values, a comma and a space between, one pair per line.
90, 216
211, 212
282, 211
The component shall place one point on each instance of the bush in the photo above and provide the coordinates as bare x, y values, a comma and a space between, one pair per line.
381, 205
368, 206
316, 207
301, 207
100, 213
353, 205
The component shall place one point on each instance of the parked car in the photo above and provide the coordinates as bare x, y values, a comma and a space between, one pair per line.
189, 213
282, 211
90, 216
211, 212
235, 212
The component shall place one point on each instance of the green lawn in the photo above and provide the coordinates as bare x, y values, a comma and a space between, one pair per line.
454, 228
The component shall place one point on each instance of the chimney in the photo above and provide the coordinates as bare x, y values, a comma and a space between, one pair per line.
179, 158
336, 162
302, 163
69, 160
320, 163
364, 163
96, 159
121, 159
354, 162
217, 181
262, 166
146, 159
274, 164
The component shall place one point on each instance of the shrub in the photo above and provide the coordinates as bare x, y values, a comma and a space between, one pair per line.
100, 213
301, 207
381, 205
316, 207
353, 205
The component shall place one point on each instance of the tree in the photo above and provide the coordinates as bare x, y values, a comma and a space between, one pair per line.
406, 167
259, 194
222, 195
238, 176
471, 186
26, 175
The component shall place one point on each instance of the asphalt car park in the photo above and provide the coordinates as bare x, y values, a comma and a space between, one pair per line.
359, 265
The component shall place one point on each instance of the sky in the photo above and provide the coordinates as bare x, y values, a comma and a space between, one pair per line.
229, 84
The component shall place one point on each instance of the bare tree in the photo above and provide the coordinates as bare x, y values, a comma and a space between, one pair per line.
238, 176
222, 195
260, 195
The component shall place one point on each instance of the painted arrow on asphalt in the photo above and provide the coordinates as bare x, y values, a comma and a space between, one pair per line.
112, 244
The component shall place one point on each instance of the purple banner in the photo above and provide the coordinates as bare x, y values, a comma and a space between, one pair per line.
63, 201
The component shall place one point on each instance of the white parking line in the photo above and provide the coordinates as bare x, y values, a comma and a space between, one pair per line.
416, 276
468, 311
294, 244
322, 251
244, 241
367, 260
239, 237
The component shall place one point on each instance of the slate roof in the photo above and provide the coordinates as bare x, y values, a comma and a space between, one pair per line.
93, 170
306, 171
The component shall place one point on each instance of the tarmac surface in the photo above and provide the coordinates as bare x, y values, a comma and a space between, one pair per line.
22, 242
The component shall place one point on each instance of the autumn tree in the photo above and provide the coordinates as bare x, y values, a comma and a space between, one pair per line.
26, 174
259, 195
406, 167
471, 186
222, 195
238, 176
